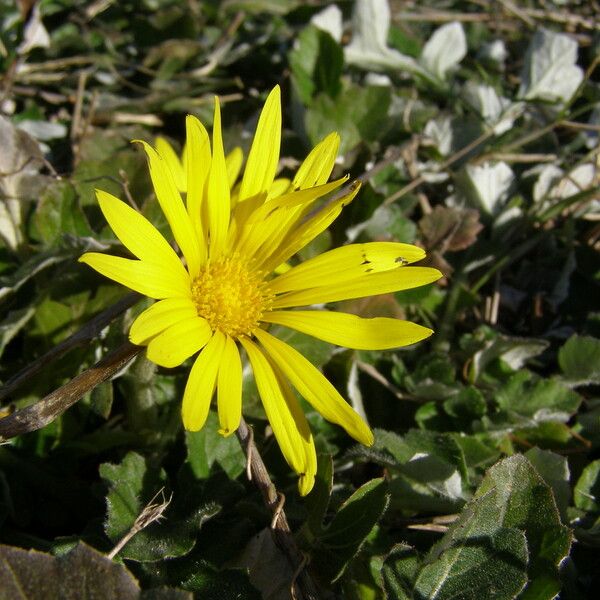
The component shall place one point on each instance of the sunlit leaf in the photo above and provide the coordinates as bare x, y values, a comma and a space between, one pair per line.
550, 72
132, 485
579, 359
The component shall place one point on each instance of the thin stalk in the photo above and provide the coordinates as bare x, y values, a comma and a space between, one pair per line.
88, 332
302, 587
41, 413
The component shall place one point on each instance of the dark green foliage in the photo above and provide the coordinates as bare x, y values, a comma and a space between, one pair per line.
484, 479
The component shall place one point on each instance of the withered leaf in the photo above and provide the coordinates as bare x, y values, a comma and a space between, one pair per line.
450, 228
81, 573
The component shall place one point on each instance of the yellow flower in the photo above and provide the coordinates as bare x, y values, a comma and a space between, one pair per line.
178, 166
233, 165
222, 295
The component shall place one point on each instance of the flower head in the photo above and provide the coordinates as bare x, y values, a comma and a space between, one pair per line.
223, 293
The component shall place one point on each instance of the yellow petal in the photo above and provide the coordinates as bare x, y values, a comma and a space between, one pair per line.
285, 416
265, 227
229, 389
179, 341
201, 384
303, 234
303, 199
136, 233
233, 164
172, 206
198, 166
164, 148
369, 284
306, 480
314, 387
264, 153
280, 186
184, 162
282, 268
158, 317
151, 279
218, 193
351, 331
346, 262
317, 166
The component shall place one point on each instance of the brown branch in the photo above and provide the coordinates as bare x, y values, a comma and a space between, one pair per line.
525, 14
303, 587
415, 183
89, 331
41, 413
518, 12
392, 154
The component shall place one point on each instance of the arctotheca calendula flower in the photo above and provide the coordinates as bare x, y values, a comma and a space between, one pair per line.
223, 293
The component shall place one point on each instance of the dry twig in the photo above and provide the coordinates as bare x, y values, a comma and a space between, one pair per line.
41, 413
88, 332
304, 588
153, 511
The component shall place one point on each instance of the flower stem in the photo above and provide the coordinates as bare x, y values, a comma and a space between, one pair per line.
302, 586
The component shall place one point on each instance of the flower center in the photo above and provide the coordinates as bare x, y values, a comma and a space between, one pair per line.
230, 296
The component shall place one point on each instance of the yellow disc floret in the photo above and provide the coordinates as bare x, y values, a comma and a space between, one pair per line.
231, 296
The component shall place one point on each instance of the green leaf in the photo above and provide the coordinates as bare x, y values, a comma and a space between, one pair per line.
126, 481
547, 433
164, 593
102, 397
400, 570
356, 114
589, 535
57, 213
509, 537
479, 450
81, 573
554, 470
518, 497
51, 316
11, 283
390, 221
132, 485
316, 62
437, 368
268, 569
326, 115
537, 399
341, 540
467, 405
586, 493
14, 322
403, 449
139, 385
512, 350
427, 470
550, 72
106, 158
207, 447
475, 565
275, 7
318, 500
209, 583
579, 359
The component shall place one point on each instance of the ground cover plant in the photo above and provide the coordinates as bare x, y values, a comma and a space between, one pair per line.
472, 130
